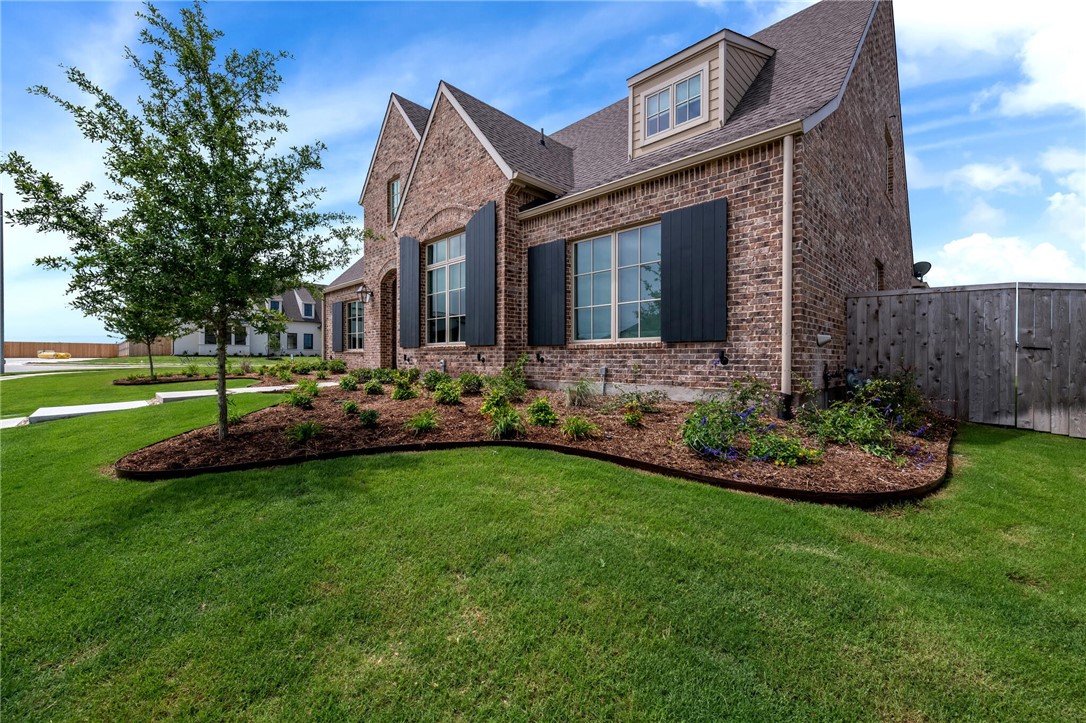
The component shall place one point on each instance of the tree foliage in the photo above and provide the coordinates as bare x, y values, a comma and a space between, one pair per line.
207, 216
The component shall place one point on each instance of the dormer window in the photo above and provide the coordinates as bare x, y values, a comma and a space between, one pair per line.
273, 304
393, 198
675, 104
307, 311
659, 112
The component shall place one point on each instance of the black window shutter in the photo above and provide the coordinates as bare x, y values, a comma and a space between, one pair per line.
481, 277
409, 293
547, 294
337, 326
694, 273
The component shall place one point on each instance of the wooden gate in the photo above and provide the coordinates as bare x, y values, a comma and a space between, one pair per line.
961, 344
1052, 358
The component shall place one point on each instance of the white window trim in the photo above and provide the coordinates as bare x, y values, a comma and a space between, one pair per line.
426, 268
347, 328
675, 127
312, 310
277, 301
614, 339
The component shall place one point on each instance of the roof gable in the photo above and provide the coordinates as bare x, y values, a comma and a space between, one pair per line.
411, 113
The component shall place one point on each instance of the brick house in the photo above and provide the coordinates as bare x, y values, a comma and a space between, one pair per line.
708, 225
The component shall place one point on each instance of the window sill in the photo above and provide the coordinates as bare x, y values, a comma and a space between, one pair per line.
652, 343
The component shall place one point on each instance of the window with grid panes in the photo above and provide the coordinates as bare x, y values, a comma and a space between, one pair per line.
354, 318
616, 286
445, 290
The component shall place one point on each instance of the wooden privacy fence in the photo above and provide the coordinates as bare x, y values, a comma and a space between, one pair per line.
29, 349
1010, 354
160, 347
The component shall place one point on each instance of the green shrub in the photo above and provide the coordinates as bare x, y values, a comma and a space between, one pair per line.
780, 449
373, 387
511, 380
137, 376
750, 392
645, 402
471, 384
233, 370
897, 398
712, 427
348, 383
349, 406
368, 418
304, 365
385, 376
336, 366
541, 414
308, 386
432, 378
284, 375
362, 374
493, 400
425, 421
579, 394
191, 370
575, 427
505, 423
633, 416
298, 399
233, 416
403, 390
447, 392
853, 423
406, 376
246, 367
303, 431
320, 374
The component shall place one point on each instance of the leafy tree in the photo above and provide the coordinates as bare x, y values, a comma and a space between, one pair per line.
204, 206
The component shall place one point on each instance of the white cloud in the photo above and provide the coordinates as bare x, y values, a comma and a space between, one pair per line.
1068, 165
981, 215
981, 258
1007, 176
1052, 61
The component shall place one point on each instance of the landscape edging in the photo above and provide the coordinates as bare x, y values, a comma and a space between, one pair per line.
850, 499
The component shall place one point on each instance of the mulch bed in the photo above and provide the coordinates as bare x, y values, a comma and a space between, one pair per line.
174, 378
261, 437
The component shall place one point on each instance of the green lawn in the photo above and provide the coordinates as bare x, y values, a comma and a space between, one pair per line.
169, 361
20, 397
516, 584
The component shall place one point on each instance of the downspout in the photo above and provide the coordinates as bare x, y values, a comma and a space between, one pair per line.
786, 278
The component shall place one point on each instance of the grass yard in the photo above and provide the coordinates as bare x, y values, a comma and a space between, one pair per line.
169, 361
516, 584
20, 397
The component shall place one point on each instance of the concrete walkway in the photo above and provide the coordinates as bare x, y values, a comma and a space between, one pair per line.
48, 414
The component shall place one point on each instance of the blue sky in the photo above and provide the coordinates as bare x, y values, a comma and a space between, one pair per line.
993, 112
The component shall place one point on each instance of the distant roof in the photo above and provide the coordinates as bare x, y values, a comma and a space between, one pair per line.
416, 113
292, 305
352, 274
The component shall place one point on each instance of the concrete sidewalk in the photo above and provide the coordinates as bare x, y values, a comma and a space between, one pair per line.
48, 414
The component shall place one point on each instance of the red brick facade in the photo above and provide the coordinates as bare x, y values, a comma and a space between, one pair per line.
848, 212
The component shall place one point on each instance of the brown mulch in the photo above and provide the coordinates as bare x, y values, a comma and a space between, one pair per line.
261, 436
174, 378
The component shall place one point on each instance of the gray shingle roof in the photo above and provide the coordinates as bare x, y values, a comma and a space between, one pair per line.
518, 144
292, 305
814, 48
416, 113
353, 273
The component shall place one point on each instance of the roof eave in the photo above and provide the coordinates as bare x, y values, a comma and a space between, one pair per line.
538, 183
727, 149
824, 112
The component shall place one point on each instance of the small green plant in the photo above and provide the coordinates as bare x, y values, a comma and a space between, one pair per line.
136, 377
780, 449
299, 399
284, 375
403, 390
432, 378
511, 381
471, 384
579, 394
541, 414
246, 367
233, 416
406, 376
373, 386
349, 406
320, 374
191, 370
712, 427
646, 402
368, 418
633, 416
385, 376
425, 421
506, 423
577, 428
447, 392
348, 383
363, 374
853, 423
336, 366
233, 370
494, 400
308, 386
302, 432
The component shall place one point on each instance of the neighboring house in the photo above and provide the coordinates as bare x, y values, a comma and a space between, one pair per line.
302, 337
708, 225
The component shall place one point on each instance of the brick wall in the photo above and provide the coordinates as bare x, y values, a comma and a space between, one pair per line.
751, 181
845, 218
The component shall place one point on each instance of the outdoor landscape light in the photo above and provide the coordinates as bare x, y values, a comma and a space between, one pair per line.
823, 339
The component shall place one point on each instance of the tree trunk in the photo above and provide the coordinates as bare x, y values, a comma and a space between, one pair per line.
151, 357
221, 332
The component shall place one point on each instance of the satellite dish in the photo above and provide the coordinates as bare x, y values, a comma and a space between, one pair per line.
920, 268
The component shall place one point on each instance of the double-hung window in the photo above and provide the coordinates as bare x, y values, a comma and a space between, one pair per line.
616, 286
307, 341
292, 340
354, 325
240, 336
273, 304
674, 105
445, 290
307, 310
